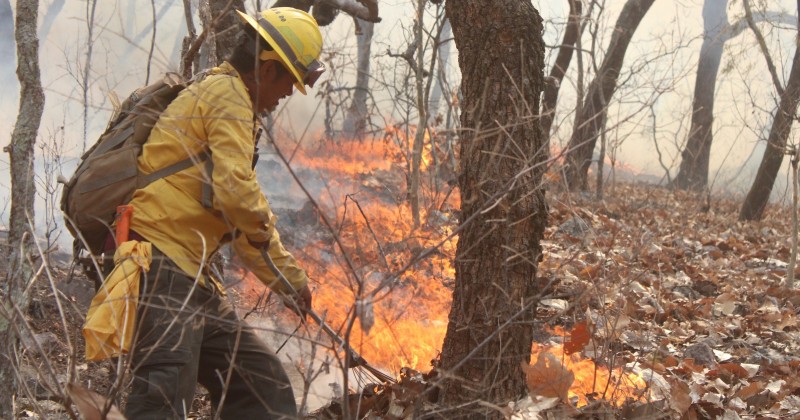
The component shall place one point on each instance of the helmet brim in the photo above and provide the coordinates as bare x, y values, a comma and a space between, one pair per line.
247, 19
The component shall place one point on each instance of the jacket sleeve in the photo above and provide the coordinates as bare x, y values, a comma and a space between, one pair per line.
228, 121
237, 194
254, 261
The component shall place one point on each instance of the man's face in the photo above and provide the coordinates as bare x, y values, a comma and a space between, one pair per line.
273, 84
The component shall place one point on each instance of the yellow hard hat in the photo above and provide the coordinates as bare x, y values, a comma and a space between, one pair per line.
295, 37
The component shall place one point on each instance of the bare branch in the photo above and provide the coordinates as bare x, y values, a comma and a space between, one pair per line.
763, 45
192, 51
739, 26
362, 9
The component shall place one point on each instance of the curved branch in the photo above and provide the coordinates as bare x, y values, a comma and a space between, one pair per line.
362, 9
738, 27
192, 51
748, 14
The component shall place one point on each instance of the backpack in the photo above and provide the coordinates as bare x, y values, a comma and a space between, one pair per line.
108, 175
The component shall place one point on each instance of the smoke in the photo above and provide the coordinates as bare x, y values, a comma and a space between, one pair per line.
313, 370
50, 18
7, 47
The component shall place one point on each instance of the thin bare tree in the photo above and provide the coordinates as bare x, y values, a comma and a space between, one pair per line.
440, 82
559, 69
91, 8
694, 168
50, 16
422, 108
591, 120
20, 238
758, 196
355, 120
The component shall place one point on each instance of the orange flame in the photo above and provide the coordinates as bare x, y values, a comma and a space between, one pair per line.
581, 379
410, 316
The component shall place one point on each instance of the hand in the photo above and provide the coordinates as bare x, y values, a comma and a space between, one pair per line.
299, 302
259, 245
270, 228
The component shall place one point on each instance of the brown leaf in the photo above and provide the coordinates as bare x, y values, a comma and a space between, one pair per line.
688, 365
92, 405
548, 377
590, 271
728, 372
679, 399
754, 388
578, 338
670, 361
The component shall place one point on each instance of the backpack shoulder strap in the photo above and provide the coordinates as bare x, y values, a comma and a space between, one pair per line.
207, 190
174, 168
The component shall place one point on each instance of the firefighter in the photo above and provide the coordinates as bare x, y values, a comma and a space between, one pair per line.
186, 330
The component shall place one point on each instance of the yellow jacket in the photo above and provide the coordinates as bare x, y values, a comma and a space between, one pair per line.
109, 325
216, 115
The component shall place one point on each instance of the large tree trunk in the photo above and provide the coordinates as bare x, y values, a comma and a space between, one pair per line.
20, 237
592, 118
503, 212
693, 174
758, 196
553, 82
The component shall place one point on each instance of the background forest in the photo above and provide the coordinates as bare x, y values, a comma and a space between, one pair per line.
654, 279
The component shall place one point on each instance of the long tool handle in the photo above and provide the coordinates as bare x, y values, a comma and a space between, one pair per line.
357, 359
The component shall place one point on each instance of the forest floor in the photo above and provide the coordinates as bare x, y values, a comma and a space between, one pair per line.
682, 306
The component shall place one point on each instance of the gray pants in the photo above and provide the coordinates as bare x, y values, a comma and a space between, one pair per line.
189, 334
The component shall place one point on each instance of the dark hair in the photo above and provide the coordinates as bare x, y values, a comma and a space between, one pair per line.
244, 56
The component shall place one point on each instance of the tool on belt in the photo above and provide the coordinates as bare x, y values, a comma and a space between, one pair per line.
123, 219
356, 358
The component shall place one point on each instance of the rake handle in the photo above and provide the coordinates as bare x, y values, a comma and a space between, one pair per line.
357, 359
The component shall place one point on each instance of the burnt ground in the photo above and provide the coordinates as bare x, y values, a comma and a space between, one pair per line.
648, 281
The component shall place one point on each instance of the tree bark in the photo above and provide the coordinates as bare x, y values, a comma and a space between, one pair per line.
23, 139
219, 22
592, 117
503, 211
693, 173
226, 30
564, 57
758, 196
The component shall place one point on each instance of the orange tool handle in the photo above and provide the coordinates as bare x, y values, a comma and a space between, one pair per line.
123, 218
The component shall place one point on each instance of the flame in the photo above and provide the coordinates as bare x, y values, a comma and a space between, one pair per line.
410, 315
592, 381
374, 224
